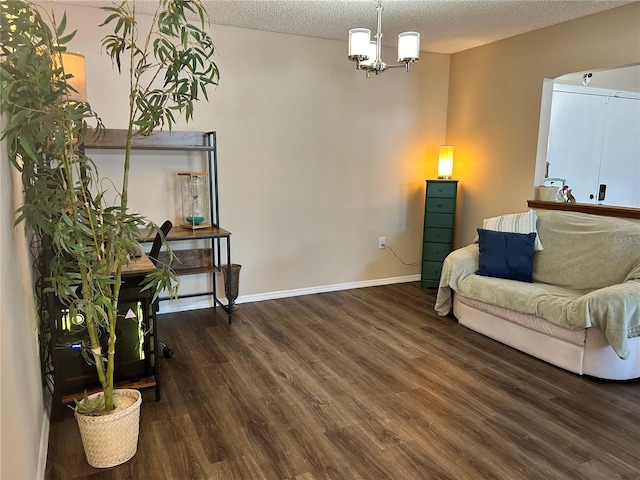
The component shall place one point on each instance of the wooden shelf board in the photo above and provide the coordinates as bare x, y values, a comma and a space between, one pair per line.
195, 270
179, 233
143, 383
593, 209
162, 140
190, 261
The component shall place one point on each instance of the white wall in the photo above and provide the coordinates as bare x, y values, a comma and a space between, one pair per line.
495, 94
22, 414
316, 161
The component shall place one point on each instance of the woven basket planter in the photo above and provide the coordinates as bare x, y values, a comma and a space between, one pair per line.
112, 439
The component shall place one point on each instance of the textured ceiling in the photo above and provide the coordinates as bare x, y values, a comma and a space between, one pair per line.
445, 26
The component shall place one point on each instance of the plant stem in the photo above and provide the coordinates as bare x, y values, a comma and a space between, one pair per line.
92, 328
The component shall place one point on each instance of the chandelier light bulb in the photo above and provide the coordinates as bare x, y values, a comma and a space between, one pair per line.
408, 47
371, 53
359, 39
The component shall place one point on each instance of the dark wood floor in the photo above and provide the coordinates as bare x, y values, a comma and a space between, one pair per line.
363, 384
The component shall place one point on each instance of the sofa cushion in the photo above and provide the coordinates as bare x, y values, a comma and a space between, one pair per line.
586, 252
515, 222
506, 254
545, 301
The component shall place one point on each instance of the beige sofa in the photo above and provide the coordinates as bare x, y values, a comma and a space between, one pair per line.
582, 310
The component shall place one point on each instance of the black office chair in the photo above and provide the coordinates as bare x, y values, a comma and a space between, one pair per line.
157, 242
153, 256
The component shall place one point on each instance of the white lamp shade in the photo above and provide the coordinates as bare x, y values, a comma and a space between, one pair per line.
408, 46
73, 64
371, 53
359, 39
445, 161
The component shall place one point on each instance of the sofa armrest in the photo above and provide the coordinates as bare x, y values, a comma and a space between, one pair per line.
458, 265
616, 311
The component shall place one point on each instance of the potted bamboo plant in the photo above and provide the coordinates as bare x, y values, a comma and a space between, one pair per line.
85, 240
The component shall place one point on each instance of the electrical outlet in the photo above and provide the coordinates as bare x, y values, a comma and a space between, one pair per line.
382, 242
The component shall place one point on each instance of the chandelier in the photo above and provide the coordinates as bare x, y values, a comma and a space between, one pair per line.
366, 53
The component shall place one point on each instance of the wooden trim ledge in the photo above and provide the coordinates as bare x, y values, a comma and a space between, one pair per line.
602, 210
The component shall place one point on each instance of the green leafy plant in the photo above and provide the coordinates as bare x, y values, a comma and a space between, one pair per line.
89, 406
88, 241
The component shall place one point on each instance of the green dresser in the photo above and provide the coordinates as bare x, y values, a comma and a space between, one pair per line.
439, 219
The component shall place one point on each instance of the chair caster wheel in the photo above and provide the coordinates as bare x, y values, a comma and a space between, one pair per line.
167, 352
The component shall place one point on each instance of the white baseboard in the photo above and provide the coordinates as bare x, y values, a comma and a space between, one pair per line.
189, 304
185, 304
325, 288
44, 436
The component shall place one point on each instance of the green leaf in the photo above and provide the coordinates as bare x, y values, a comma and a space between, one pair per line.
89, 407
62, 25
67, 38
28, 148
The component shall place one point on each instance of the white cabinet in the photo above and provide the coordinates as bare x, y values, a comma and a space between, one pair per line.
620, 160
594, 143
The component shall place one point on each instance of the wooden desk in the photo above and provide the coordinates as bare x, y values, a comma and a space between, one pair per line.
192, 261
138, 266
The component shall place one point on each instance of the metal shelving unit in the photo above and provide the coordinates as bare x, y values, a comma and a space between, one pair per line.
192, 261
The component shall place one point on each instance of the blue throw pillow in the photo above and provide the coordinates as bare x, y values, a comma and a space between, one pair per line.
506, 254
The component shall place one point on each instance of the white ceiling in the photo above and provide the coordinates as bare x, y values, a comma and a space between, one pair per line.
445, 26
